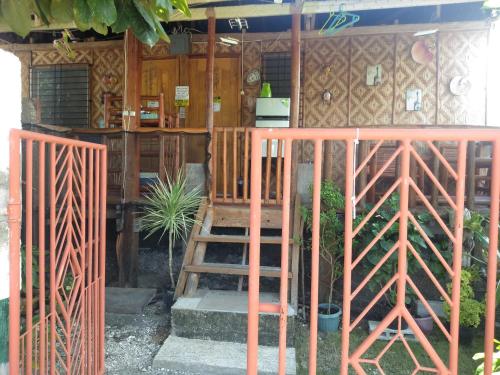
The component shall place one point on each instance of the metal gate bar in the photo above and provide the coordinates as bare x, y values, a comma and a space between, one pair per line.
59, 328
406, 138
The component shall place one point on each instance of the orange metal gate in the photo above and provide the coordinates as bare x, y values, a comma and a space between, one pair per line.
57, 217
407, 143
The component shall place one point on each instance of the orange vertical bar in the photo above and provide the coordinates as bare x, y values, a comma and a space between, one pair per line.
83, 252
90, 247
224, 165
349, 173
285, 235
457, 256
268, 169
162, 111
14, 252
52, 256
95, 271
68, 237
254, 256
278, 171
102, 255
29, 256
316, 207
492, 260
41, 252
404, 198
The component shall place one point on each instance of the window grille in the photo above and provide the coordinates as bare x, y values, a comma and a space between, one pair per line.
62, 94
276, 71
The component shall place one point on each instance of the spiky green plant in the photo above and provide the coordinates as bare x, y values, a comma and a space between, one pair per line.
170, 209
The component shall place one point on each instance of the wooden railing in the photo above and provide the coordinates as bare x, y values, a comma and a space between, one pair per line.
154, 116
231, 167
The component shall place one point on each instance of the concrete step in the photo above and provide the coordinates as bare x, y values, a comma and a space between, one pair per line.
222, 316
206, 357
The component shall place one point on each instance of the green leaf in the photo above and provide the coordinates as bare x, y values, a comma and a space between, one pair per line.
99, 27
42, 9
17, 14
146, 13
182, 6
62, 10
142, 30
103, 11
122, 22
82, 15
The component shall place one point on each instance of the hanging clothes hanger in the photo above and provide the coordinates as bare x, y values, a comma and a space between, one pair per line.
338, 22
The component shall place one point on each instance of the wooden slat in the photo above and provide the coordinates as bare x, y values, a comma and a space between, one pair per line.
232, 269
223, 238
239, 217
213, 161
246, 163
278, 171
188, 256
224, 164
235, 164
268, 171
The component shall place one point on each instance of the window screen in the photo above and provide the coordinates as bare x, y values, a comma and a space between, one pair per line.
62, 93
276, 71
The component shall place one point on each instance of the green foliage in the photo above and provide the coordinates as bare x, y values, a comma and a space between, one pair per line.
495, 363
331, 241
170, 209
471, 310
390, 267
144, 17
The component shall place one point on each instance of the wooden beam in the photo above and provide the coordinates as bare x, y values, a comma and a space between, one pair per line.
295, 97
308, 7
210, 94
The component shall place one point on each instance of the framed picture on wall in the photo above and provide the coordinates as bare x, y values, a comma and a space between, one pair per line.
413, 100
374, 75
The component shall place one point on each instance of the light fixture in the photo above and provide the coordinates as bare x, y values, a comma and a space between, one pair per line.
239, 23
228, 40
426, 32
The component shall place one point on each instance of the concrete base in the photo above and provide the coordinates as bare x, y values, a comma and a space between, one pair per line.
128, 300
222, 316
217, 357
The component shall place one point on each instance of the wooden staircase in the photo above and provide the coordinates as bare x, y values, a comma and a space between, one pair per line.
236, 216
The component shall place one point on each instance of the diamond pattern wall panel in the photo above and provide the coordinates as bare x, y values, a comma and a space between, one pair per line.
462, 54
371, 105
411, 75
53, 56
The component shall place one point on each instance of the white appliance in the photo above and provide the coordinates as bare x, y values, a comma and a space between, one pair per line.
272, 113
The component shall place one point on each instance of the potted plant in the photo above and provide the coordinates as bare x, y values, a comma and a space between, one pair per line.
169, 209
331, 249
471, 310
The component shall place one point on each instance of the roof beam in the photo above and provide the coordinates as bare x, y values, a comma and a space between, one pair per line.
269, 10
308, 7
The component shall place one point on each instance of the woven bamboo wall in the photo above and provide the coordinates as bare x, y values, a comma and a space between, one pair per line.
103, 61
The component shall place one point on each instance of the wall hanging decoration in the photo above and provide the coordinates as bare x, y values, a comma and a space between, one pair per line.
421, 53
253, 77
413, 100
460, 85
374, 75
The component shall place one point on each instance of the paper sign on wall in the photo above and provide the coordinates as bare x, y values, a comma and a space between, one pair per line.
181, 96
217, 104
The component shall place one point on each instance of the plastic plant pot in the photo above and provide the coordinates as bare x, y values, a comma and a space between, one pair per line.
329, 322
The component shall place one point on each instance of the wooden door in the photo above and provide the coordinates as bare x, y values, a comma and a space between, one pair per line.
227, 86
161, 76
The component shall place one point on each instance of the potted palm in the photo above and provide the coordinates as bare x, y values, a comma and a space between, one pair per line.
331, 249
169, 210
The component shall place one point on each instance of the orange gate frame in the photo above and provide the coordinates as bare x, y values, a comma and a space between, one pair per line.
401, 279
61, 331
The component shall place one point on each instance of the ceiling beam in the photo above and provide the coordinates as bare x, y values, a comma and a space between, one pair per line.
308, 7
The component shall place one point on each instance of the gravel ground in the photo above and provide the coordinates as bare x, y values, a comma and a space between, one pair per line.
132, 341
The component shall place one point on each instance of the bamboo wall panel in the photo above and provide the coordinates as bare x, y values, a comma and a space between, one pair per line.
461, 54
370, 104
53, 56
411, 75
107, 71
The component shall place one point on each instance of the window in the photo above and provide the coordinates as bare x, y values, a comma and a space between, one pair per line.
62, 94
276, 71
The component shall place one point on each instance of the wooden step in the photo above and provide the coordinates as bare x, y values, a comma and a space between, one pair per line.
223, 238
232, 269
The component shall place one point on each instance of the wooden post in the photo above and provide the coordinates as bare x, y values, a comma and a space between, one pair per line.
210, 93
295, 94
128, 238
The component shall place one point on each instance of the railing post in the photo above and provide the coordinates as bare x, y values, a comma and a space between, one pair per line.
254, 257
491, 285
